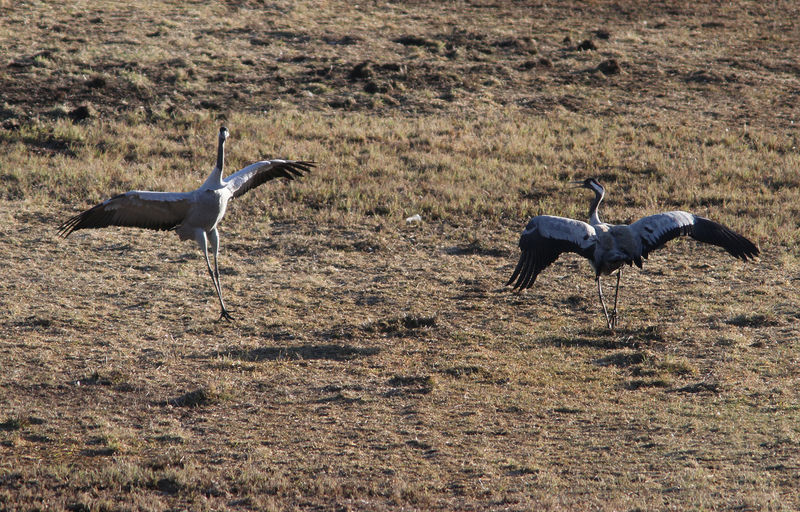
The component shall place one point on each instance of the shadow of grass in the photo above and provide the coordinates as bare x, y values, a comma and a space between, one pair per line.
333, 352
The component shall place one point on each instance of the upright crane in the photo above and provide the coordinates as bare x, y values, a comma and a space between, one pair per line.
608, 247
192, 215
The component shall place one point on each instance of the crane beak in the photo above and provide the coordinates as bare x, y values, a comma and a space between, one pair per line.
577, 183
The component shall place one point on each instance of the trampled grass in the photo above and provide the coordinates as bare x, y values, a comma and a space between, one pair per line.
377, 364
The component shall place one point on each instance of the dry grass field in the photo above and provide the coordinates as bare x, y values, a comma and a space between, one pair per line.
376, 364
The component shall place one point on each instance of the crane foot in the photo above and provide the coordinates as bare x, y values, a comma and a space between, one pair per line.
225, 315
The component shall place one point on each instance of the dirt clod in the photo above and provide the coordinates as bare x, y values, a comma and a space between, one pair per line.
362, 71
82, 113
609, 67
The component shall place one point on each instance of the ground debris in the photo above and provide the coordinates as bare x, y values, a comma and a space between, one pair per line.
655, 382
196, 398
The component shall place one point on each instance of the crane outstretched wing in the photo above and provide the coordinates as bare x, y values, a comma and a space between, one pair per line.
656, 230
137, 208
544, 239
260, 172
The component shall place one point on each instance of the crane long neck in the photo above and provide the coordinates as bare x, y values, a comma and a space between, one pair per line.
214, 180
220, 155
594, 217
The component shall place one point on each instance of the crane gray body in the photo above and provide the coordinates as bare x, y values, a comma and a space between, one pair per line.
609, 247
192, 215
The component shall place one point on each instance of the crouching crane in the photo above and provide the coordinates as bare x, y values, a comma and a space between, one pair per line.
608, 247
192, 215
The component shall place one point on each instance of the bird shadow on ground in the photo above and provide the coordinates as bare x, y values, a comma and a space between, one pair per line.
604, 338
585, 341
476, 248
333, 352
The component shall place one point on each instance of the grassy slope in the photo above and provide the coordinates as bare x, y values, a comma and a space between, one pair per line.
377, 365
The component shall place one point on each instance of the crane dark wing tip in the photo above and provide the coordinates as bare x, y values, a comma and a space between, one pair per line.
526, 271
517, 270
296, 168
736, 245
539, 251
751, 253
72, 224
268, 170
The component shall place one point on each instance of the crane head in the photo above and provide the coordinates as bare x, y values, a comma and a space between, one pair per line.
223, 133
590, 183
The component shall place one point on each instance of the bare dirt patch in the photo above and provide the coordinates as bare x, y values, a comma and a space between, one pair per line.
604, 59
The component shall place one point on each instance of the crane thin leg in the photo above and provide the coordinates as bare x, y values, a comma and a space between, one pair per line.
603, 302
213, 237
616, 296
202, 241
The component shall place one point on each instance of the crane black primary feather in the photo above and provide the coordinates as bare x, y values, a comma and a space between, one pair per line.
656, 230
164, 211
545, 238
710, 232
279, 169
